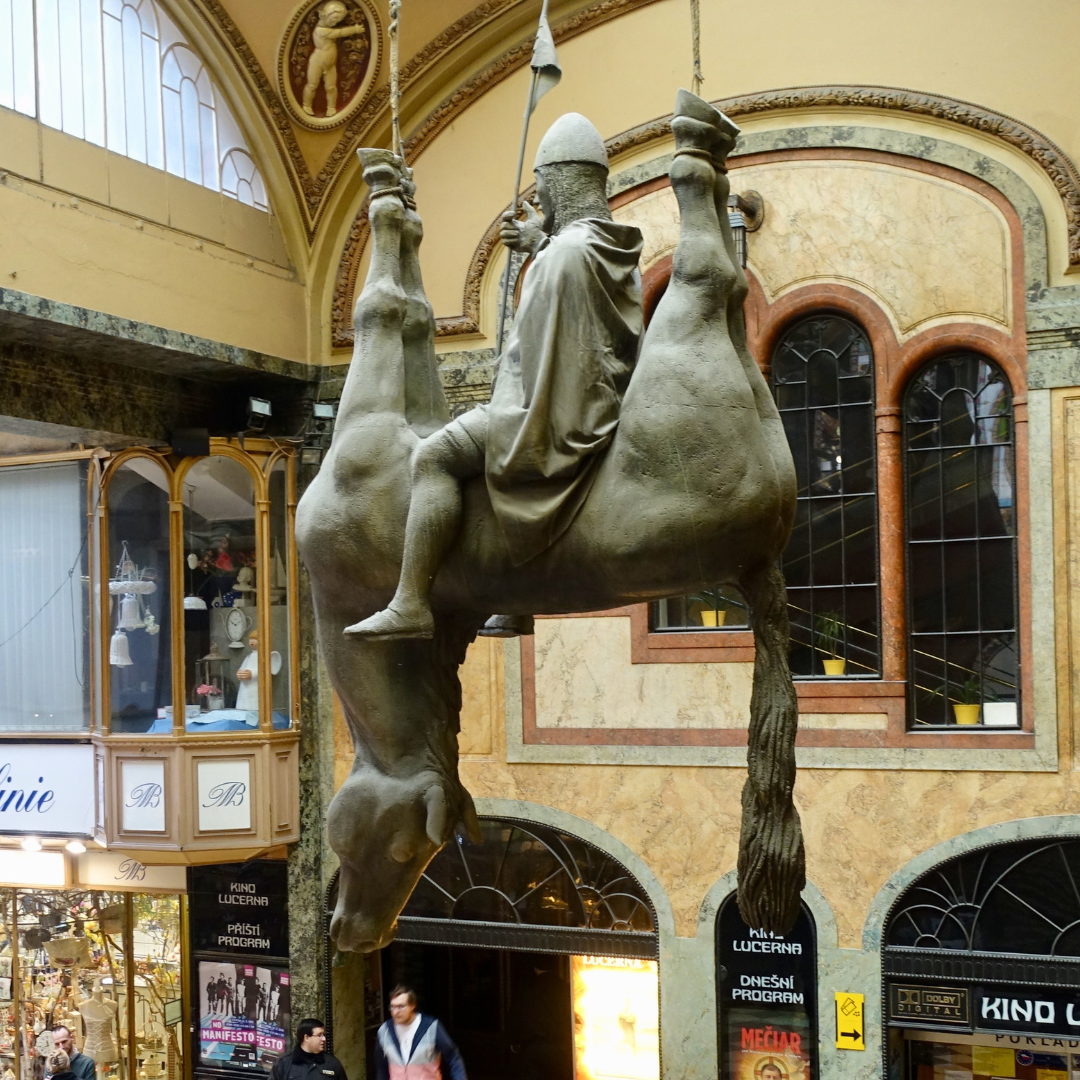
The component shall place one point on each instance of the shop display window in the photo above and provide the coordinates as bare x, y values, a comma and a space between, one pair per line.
139, 594
148, 595
225, 654
45, 683
105, 965
280, 609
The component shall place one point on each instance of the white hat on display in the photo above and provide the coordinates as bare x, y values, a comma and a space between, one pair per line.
571, 138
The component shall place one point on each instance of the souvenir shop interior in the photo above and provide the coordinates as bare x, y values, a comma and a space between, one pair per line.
105, 964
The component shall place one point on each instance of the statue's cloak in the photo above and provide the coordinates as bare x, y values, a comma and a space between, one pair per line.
557, 395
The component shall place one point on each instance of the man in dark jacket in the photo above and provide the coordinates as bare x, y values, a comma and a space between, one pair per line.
308, 1060
411, 1046
80, 1064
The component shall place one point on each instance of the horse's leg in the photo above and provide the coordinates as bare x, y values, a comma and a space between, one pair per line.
772, 862
425, 402
376, 379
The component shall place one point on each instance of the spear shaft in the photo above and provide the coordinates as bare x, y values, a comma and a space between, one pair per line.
514, 209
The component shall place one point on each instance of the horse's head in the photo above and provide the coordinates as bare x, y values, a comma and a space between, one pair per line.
385, 830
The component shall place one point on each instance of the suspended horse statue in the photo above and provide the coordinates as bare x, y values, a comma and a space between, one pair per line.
694, 486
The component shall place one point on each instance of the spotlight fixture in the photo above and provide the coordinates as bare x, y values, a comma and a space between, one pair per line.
31, 843
317, 431
258, 413
74, 847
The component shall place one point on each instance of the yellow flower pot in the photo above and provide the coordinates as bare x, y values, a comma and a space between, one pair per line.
834, 666
966, 714
713, 618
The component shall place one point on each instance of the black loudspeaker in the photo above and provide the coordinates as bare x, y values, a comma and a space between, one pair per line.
190, 442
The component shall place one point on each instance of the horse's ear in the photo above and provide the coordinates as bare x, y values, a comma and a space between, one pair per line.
435, 800
470, 820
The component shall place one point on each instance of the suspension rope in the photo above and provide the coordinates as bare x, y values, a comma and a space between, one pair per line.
695, 36
395, 84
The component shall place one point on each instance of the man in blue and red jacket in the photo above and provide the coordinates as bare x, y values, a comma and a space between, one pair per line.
411, 1046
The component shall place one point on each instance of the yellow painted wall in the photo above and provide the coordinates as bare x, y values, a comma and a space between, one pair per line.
89, 227
860, 825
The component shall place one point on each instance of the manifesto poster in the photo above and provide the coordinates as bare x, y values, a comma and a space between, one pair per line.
243, 1014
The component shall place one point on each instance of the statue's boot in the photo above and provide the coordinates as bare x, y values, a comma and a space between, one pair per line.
391, 625
507, 626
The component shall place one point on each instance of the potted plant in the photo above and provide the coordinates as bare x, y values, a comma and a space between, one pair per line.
215, 699
829, 631
713, 612
967, 700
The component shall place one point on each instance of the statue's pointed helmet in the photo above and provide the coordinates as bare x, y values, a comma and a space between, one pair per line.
571, 138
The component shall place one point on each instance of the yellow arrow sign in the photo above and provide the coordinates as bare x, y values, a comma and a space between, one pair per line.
850, 1030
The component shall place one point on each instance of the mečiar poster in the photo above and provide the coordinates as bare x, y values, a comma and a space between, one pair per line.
765, 1046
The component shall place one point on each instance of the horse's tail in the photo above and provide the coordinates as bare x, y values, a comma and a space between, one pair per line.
772, 862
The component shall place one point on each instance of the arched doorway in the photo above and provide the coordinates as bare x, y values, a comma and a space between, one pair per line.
536, 949
981, 963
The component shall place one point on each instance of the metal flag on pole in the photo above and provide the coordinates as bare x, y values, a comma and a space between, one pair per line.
545, 74
395, 83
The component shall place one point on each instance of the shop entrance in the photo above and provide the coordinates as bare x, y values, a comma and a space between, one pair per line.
982, 967
535, 949
509, 1012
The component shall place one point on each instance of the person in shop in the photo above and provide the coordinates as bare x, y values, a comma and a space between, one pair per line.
412, 1046
82, 1066
308, 1060
59, 1066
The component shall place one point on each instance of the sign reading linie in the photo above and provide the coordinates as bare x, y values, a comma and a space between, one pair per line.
938, 1004
240, 909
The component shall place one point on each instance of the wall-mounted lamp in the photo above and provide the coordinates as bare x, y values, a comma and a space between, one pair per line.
317, 433
746, 212
258, 413
75, 847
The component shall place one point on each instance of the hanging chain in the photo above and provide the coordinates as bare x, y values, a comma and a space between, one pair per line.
395, 84
695, 35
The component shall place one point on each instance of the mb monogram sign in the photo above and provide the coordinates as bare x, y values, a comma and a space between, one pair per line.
224, 795
118, 870
142, 792
47, 789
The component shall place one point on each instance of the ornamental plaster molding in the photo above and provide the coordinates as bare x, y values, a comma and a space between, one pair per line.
313, 190
1042, 151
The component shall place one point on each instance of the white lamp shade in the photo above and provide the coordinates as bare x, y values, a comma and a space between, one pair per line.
119, 653
129, 613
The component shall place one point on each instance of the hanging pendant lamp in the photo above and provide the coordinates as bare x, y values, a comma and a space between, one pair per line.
119, 653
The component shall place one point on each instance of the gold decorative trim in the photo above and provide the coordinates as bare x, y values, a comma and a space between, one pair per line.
1049, 157
312, 191
297, 114
436, 121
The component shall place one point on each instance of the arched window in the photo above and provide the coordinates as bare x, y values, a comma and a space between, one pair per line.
822, 377
963, 647
118, 73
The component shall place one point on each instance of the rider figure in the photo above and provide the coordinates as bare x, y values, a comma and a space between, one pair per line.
558, 391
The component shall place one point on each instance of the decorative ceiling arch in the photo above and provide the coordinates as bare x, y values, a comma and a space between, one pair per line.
313, 191
1042, 151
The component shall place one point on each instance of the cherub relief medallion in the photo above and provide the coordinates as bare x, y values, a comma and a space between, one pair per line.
328, 61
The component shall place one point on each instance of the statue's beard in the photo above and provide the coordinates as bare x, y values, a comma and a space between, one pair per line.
576, 190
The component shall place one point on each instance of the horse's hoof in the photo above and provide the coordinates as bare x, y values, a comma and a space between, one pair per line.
507, 626
390, 625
